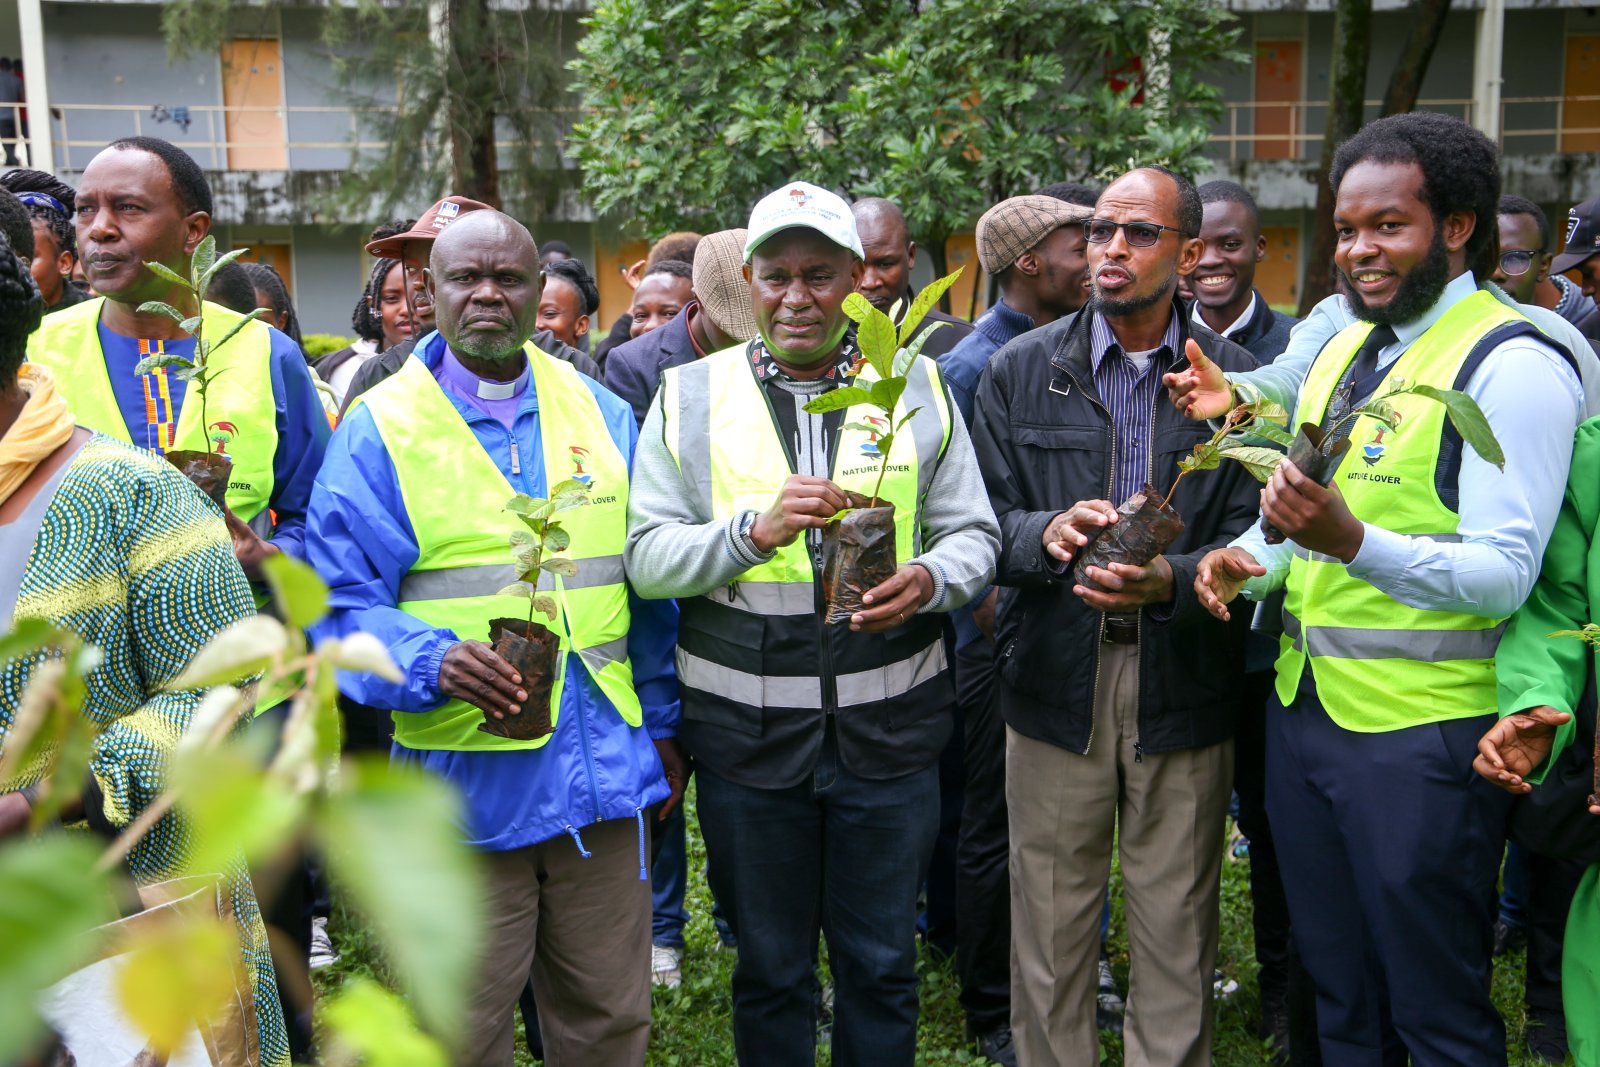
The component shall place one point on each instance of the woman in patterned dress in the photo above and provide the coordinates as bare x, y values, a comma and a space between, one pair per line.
110, 543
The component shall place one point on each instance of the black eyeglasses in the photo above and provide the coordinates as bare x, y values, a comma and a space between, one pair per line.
1516, 261
1139, 234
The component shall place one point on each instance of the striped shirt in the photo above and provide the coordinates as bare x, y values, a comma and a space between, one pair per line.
1129, 394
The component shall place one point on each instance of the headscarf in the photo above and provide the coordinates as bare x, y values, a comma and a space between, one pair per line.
44, 425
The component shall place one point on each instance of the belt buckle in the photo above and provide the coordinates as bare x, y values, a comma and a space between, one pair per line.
1119, 630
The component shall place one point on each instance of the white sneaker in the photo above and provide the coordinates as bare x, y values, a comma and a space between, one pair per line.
666, 966
322, 953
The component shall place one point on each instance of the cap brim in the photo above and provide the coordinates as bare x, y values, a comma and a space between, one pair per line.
1567, 260
395, 247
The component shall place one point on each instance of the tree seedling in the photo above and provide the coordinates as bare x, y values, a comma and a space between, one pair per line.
533, 550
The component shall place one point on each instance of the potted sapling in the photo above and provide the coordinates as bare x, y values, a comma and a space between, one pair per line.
1148, 524
530, 646
858, 543
210, 467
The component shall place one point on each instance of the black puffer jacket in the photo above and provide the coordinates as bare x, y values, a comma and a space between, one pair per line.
1043, 438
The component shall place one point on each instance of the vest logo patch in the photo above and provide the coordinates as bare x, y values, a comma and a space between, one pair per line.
869, 447
221, 435
579, 454
1374, 449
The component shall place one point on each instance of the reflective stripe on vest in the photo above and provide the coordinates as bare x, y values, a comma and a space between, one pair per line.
1379, 664
719, 429
455, 501
240, 402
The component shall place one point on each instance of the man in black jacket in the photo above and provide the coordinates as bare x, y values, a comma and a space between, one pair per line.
1119, 700
886, 271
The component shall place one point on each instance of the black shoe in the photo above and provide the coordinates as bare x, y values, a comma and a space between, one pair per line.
1108, 1004
1274, 1030
1546, 1037
1508, 938
996, 1047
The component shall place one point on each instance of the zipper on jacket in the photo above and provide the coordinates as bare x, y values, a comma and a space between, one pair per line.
516, 461
1138, 622
1111, 486
830, 686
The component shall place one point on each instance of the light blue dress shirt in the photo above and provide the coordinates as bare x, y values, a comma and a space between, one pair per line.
1533, 402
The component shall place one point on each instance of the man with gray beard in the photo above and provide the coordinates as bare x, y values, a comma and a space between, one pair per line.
1119, 697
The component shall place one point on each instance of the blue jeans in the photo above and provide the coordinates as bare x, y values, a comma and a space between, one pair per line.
836, 854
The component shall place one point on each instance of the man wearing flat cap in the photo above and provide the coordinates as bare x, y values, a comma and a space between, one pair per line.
817, 745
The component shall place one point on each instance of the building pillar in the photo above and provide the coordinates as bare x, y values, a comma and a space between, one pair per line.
1486, 74
41, 142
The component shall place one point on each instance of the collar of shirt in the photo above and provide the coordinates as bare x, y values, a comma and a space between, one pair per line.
1102, 340
1461, 286
1001, 322
1569, 294
767, 368
483, 395
690, 310
1238, 324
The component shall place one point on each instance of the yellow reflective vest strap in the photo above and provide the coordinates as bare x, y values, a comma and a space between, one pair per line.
240, 402
719, 429
1379, 664
455, 499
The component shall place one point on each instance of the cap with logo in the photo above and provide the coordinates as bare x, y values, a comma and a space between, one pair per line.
719, 283
430, 225
1013, 226
806, 205
1583, 236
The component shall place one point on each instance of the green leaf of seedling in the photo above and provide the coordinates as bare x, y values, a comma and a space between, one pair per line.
1206, 456
885, 443
1256, 459
362, 652
53, 898
894, 309
843, 397
924, 303
859, 308
861, 427
547, 604
1468, 419
241, 650
571, 485
569, 500
1267, 431
522, 504
211, 270
231, 805
914, 349
301, 595
29, 636
368, 1024
886, 394
157, 307
841, 513
163, 359
1380, 409
907, 417
166, 274
205, 256
520, 590
565, 567
244, 320
557, 539
190, 324
522, 541
875, 335
1589, 635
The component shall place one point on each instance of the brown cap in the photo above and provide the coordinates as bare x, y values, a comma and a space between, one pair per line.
429, 226
1013, 226
719, 283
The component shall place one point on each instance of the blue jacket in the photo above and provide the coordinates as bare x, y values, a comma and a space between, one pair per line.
963, 364
359, 540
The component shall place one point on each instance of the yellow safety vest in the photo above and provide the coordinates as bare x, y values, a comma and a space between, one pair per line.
455, 501
240, 404
1379, 664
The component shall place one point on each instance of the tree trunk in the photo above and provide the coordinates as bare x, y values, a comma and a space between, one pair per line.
1352, 36
473, 167
1405, 82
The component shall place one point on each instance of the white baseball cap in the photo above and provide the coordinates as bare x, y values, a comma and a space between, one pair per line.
803, 204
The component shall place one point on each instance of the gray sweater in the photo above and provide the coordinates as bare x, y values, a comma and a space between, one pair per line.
674, 551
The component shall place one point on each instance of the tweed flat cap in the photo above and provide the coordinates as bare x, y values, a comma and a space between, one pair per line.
719, 283
1013, 226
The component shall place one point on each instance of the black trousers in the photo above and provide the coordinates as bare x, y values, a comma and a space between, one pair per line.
983, 881
1551, 884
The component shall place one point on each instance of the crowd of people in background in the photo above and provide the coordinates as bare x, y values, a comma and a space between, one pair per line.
960, 761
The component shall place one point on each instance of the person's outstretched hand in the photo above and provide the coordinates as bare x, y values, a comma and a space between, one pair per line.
1220, 576
1201, 391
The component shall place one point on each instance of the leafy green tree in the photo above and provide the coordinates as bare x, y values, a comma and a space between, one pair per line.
693, 110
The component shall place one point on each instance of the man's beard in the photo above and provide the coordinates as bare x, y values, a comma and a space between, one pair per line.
1114, 307
1419, 290
486, 349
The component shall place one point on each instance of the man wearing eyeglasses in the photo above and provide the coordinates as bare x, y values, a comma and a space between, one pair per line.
1119, 699
1524, 268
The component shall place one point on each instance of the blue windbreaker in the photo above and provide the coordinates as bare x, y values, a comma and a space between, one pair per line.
360, 541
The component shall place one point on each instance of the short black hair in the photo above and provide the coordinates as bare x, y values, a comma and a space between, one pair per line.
392, 228
675, 267
16, 224
188, 180
574, 273
1072, 192
1190, 213
232, 288
560, 248
1512, 204
678, 245
1226, 192
22, 180
21, 308
1460, 170
266, 279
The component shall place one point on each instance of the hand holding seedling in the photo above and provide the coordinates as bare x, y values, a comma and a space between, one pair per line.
892, 602
471, 671
248, 547
1516, 745
1219, 577
1125, 587
804, 503
1311, 516
1201, 391
1071, 530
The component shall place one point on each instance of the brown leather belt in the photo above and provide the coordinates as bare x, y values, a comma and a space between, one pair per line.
1120, 630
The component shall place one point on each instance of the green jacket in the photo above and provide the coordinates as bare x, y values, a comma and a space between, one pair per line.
1535, 668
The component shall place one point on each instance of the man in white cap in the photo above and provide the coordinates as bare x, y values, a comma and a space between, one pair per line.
817, 745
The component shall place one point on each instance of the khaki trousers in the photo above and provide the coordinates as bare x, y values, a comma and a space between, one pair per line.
582, 927
1167, 812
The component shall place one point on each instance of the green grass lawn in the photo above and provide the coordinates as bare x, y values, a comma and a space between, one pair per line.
692, 1023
